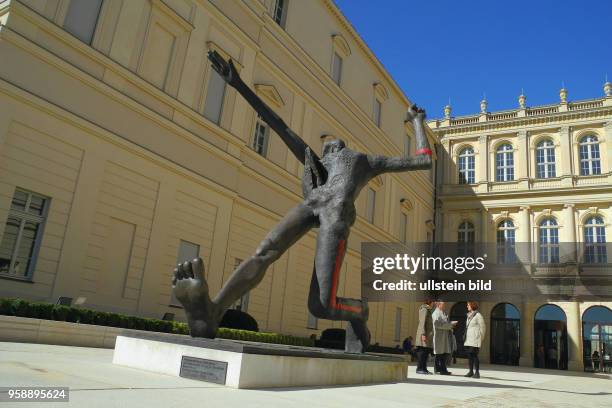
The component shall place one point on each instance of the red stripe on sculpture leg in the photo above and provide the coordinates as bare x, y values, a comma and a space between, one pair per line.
335, 277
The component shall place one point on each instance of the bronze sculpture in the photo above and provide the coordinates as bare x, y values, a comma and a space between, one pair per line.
330, 185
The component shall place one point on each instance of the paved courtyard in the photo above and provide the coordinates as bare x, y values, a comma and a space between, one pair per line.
95, 382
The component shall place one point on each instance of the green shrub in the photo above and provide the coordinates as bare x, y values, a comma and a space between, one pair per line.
24, 308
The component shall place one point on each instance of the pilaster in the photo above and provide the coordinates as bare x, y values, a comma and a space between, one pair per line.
566, 169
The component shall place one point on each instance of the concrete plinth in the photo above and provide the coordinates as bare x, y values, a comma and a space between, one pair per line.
241, 364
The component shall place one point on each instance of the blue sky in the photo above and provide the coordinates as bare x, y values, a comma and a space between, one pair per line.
438, 49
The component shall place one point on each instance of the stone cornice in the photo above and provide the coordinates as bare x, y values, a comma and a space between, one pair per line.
555, 119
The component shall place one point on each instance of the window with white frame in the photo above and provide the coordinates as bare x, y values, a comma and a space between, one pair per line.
590, 160
549, 241
398, 324
403, 227
467, 166
82, 18
371, 205
280, 12
336, 68
504, 163
506, 242
22, 234
595, 241
187, 251
545, 159
215, 94
261, 136
466, 233
377, 112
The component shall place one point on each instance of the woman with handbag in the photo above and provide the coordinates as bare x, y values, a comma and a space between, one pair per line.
475, 330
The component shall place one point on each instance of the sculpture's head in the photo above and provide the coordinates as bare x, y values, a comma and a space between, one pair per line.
333, 146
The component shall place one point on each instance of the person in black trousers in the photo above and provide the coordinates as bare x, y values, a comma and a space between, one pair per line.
424, 337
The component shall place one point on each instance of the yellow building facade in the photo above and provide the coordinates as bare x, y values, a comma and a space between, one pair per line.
543, 176
122, 153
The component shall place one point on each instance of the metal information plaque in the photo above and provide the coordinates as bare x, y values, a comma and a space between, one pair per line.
203, 370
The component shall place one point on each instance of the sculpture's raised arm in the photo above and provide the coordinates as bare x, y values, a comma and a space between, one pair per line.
422, 156
228, 71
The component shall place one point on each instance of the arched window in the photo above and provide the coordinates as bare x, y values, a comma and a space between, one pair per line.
465, 233
590, 162
467, 172
549, 241
504, 163
550, 337
545, 159
505, 242
595, 240
596, 333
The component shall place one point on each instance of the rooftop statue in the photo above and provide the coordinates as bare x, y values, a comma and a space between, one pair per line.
330, 185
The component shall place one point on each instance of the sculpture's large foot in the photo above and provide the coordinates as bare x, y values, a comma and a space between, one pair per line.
191, 289
357, 337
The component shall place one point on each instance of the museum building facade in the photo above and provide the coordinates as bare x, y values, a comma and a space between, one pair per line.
124, 153
537, 180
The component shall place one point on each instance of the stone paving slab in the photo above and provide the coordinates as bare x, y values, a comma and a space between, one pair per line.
95, 382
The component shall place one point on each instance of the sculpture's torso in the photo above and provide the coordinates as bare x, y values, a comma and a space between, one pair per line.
347, 173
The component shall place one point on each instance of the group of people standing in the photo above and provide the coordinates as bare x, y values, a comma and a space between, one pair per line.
435, 333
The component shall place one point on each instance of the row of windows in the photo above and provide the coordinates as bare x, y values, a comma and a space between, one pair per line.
590, 161
548, 240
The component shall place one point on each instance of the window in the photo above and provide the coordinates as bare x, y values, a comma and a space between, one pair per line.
545, 159
466, 233
595, 241
504, 162
505, 242
466, 236
241, 304
398, 324
81, 19
336, 68
187, 251
371, 204
589, 156
467, 168
280, 12
22, 234
260, 138
377, 112
549, 241
403, 226
213, 106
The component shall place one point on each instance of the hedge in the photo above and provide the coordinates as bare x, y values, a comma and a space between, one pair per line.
49, 311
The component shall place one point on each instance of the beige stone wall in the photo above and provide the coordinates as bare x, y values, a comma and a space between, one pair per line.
113, 133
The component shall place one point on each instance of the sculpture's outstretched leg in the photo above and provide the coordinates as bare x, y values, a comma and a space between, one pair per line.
190, 288
322, 300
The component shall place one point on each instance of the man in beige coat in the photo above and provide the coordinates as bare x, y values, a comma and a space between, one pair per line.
423, 339
443, 334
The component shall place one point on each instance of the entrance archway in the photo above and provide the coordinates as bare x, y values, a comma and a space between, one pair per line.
505, 334
597, 339
550, 337
459, 313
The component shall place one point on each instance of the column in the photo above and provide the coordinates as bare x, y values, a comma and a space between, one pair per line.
608, 142
523, 237
564, 170
574, 337
482, 163
521, 161
526, 338
484, 225
568, 250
